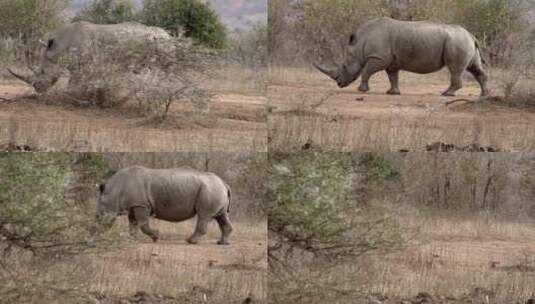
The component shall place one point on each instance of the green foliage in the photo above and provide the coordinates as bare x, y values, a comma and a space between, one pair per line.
316, 223
310, 204
45, 218
23, 23
377, 168
194, 18
40, 211
29, 18
107, 12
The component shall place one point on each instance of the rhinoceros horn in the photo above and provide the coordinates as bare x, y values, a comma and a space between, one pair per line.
28, 80
331, 73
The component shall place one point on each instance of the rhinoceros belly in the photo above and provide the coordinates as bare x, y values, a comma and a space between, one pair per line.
174, 212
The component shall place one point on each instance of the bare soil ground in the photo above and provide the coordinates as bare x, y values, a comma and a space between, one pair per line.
455, 266
308, 106
235, 122
173, 271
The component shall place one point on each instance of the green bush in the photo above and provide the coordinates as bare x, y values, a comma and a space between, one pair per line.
23, 23
317, 222
194, 18
45, 219
107, 12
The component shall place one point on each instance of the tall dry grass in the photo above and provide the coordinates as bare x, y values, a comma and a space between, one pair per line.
309, 113
449, 256
171, 266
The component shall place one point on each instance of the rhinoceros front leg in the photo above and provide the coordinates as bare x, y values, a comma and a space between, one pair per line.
372, 66
132, 223
456, 82
225, 226
141, 215
200, 229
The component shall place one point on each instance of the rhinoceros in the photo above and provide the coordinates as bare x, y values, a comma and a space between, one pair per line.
172, 195
85, 39
415, 46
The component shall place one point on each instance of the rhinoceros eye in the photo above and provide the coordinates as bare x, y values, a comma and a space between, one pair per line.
50, 43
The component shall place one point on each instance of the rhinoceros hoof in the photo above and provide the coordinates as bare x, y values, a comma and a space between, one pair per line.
192, 241
364, 89
223, 243
393, 92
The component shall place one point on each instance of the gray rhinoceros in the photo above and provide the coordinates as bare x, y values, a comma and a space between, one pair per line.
85, 39
172, 195
415, 46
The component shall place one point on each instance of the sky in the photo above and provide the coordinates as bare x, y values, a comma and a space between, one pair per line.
236, 14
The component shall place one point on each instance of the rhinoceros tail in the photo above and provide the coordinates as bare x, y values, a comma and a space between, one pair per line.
229, 196
478, 48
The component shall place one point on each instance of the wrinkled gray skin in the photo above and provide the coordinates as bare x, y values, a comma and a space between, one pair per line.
172, 195
80, 38
419, 47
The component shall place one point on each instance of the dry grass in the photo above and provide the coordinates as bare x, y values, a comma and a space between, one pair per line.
234, 78
90, 137
307, 106
171, 266
449, 256
236, 121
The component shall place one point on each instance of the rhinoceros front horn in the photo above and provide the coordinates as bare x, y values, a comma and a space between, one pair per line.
331, 73
25, 79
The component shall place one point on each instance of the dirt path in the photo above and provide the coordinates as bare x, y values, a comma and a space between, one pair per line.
348, 120
172, 267
235, 122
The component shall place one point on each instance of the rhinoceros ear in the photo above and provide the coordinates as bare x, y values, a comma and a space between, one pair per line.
101, 188
352, 39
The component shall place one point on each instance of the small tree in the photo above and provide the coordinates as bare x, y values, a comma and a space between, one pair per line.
250, 48
317, 221
43, 222
24, 22
193, 18
107, 12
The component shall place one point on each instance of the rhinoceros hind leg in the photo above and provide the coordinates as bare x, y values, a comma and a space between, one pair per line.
225, 226
481, 77
200, 229
393, 76
141, 215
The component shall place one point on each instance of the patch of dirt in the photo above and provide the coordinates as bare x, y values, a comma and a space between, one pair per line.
477, 296
234, 122
173, 271
197, 295
345, 119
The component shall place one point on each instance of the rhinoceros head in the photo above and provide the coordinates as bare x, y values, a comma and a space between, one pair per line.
47, 75
107, 207
344, 75
350, 70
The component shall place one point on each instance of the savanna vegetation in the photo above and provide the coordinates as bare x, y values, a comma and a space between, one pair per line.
47, 205
308, 106
381, 228
138, 81
304, 31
